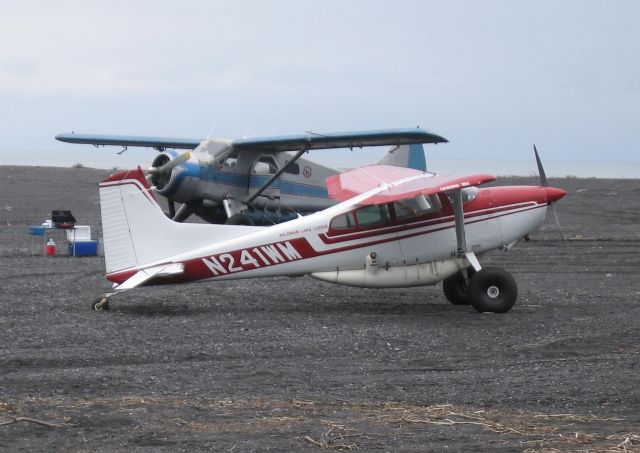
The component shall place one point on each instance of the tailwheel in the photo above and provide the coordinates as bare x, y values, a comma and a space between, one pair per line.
456, 288
493, 289
101, 303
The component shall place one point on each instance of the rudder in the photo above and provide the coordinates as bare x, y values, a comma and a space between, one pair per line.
409, 156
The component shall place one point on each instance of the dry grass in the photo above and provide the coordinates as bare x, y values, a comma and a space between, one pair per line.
339, 425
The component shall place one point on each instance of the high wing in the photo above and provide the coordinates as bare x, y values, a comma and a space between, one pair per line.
339, 140
159, 143
395, 183
271, 144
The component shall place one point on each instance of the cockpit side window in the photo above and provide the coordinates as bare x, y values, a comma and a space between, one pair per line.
417, 206
363, 218
265, 165
343, 222
374, 215
230, 160
293, 169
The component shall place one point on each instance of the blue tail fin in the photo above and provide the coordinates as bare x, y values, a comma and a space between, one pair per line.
409, 156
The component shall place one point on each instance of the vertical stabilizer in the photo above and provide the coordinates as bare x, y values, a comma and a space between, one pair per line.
136, 232
128, 207
409, 156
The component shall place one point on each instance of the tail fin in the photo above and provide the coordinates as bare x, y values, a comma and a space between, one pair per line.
136, 232
409, 156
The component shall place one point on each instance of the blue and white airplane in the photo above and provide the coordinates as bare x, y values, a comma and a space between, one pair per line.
256, 180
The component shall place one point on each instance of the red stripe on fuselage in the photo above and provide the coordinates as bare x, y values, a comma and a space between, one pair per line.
337, 238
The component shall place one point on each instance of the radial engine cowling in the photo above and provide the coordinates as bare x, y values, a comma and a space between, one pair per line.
169, 169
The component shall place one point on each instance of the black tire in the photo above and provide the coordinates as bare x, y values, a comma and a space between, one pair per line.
456, 290
239, 219
493, 289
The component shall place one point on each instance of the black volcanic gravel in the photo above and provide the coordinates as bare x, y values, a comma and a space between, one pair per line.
296, 364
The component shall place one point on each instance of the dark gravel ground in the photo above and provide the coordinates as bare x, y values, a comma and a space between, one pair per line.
296, 364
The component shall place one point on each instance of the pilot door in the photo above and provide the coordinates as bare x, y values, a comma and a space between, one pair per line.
263, 168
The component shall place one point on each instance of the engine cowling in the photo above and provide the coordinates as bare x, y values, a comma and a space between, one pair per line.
160, 180
168, 170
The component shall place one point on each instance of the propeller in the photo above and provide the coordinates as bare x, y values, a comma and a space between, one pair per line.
170, 165
545, 183
160, 175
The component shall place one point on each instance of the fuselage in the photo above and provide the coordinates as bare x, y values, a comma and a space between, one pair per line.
371, 251
300, 188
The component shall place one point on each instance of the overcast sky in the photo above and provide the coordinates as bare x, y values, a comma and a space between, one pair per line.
492, 76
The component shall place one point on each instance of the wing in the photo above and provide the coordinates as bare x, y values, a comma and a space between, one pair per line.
125, 140
338, 140
395, 183
271, 144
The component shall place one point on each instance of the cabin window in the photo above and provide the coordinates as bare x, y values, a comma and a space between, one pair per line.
265, 165
343, 222
417, 206
227, 158
370, 216
230, 162
293, 169
361, 219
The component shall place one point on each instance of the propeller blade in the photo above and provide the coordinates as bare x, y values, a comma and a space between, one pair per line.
543, 176
172, 208
545, 183
166, 168
182, 158
555, 216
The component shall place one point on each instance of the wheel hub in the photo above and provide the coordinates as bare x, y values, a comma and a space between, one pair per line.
493, 291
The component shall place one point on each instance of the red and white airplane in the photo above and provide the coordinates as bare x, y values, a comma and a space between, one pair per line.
393, 227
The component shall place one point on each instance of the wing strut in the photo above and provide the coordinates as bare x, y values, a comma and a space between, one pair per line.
458, 211
273, 177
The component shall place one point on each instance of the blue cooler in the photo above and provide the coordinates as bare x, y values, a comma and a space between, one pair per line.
84, 248
36, 230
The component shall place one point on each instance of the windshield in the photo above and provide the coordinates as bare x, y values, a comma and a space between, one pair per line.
468, 194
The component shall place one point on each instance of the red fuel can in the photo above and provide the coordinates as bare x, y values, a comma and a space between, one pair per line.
50, 248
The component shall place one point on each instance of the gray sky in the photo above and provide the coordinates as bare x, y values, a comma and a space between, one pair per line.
493, 76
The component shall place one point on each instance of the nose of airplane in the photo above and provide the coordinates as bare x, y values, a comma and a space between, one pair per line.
554, 194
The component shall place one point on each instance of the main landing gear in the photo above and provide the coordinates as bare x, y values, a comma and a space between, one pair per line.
491, 289
456, 288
